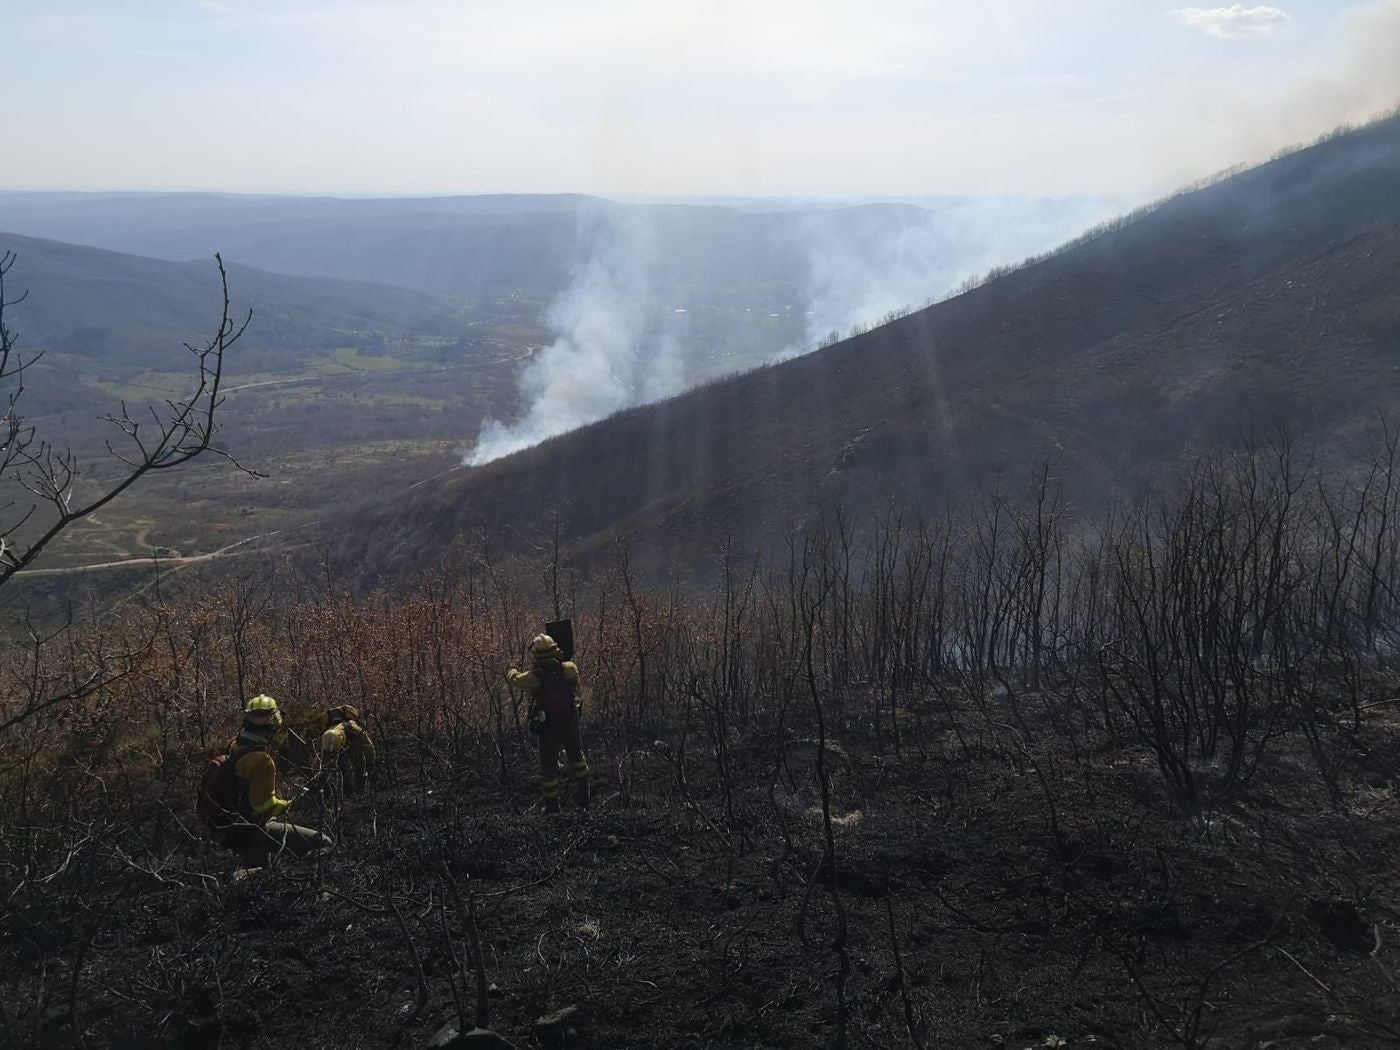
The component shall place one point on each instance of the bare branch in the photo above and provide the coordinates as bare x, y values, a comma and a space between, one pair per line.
184, 430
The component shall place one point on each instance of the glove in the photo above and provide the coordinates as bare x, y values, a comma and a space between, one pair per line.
537, 721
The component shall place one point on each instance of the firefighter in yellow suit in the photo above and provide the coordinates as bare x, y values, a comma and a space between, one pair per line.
347, 748
260, 833
553, 687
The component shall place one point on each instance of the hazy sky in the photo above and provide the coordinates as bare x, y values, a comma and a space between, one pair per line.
767, 97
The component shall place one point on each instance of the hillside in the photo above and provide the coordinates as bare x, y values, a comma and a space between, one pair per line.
911, 788
346, 384
329, 384
1265, 300
128, 311
961, 796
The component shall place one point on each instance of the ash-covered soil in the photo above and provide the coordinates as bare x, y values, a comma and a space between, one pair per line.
972, 888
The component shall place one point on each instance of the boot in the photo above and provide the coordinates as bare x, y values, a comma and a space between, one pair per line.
551, 805
582, 794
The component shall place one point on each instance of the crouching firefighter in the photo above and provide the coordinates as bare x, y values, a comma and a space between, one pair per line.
347, 752
553, 687
238, 797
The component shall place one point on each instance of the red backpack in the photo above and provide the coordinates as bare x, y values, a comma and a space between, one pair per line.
217, 801
556, 695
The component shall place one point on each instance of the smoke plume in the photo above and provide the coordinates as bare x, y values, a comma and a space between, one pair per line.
1369, 82
617, 344
864, 263
603, 357
1214, 128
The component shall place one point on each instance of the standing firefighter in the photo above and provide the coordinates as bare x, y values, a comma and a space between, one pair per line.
238, 797
347, 750
554, 718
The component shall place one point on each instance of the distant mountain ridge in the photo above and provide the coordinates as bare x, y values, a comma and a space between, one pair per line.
493, 245
114, 306
1269, 299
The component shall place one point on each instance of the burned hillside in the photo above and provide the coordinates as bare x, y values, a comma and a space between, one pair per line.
1007, 777
1262, 302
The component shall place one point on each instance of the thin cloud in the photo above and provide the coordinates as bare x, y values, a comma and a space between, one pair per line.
1235, 22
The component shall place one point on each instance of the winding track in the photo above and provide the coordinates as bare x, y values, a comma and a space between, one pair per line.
126, 563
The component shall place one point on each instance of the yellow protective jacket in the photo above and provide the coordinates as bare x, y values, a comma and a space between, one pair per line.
348, 735
256, 775
529, 681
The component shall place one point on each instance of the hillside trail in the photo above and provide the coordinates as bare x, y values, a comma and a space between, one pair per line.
164, 561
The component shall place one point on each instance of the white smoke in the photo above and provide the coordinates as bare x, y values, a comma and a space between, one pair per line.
603, 359
1212, 126
854, 281
610, 352
893, 261
612, 348
1370, 80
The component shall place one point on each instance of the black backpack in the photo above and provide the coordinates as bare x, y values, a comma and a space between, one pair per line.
556, 695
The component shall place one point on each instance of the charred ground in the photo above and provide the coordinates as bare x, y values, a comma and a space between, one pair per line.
991, 890
998, 779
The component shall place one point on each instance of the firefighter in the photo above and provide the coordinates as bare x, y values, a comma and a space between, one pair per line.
346, 748
259, 833
553, 687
